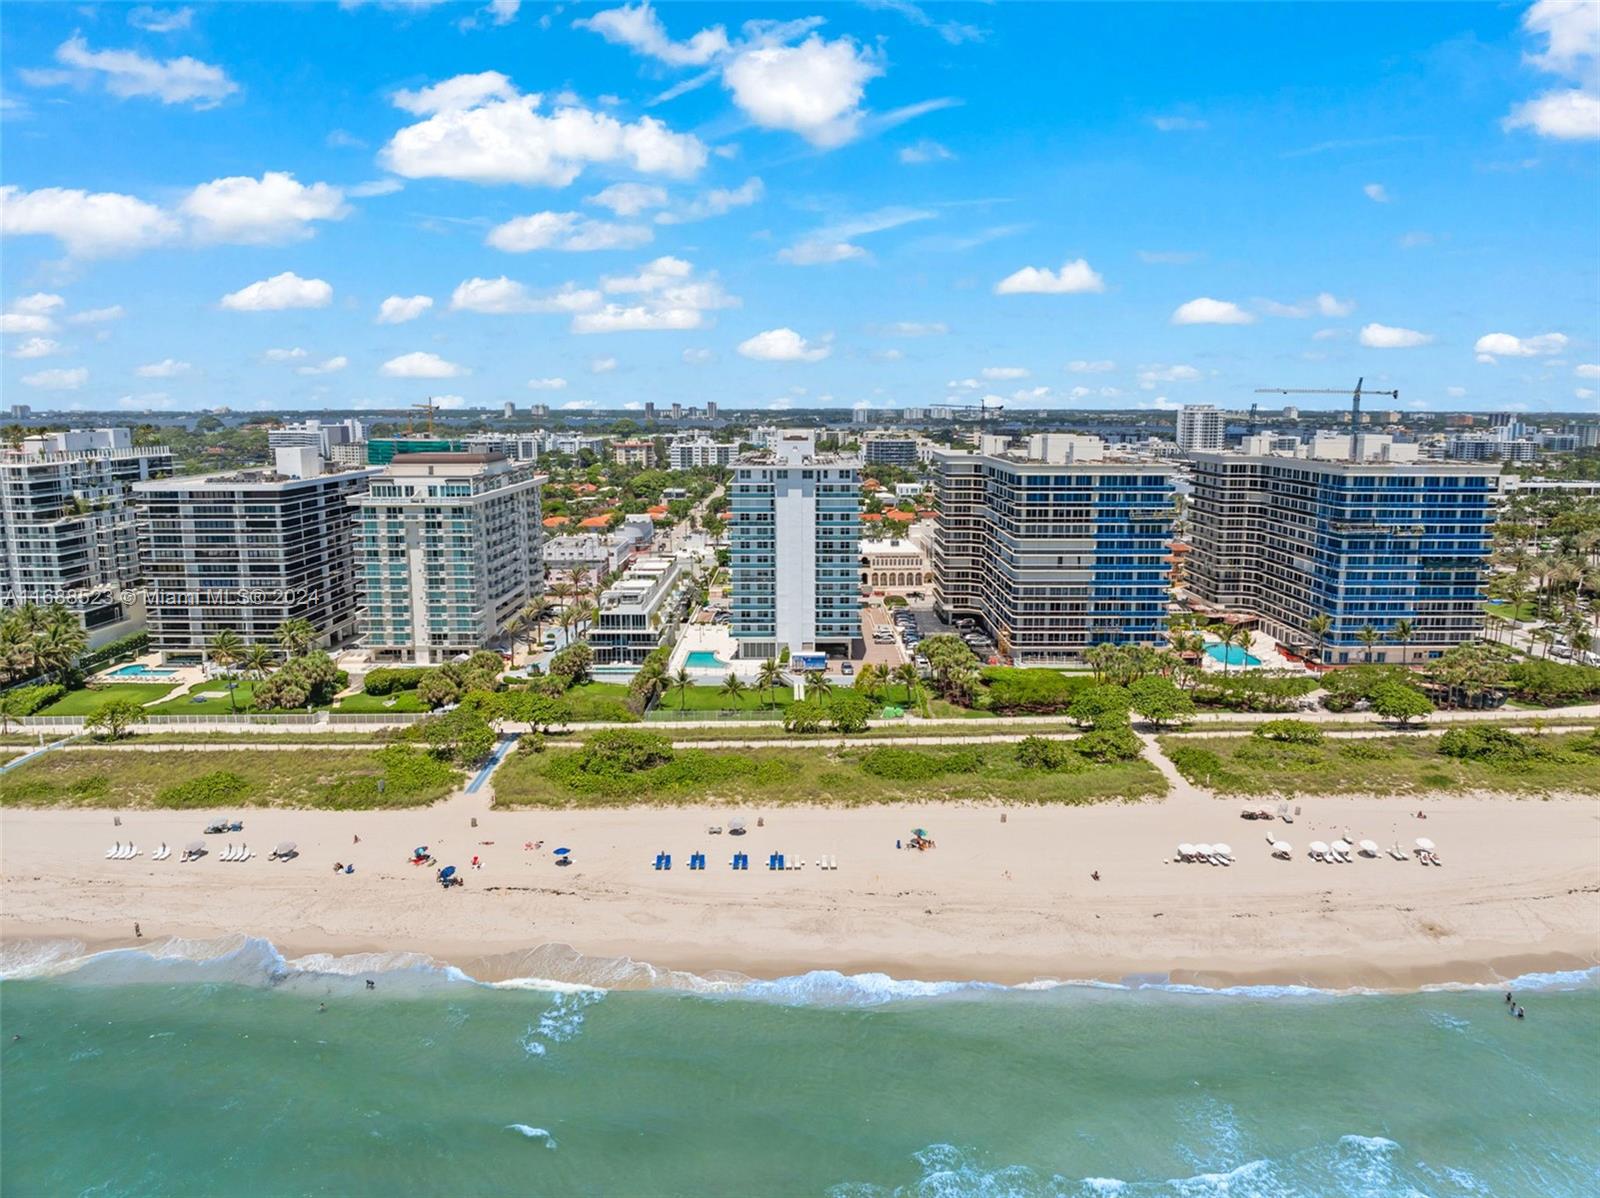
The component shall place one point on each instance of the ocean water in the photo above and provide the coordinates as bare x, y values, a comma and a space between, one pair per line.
243, 1074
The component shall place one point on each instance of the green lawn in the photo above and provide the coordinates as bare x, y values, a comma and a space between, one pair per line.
89, 699
1522, 612
177, 779
1393, 765
815, 774
183, 703
598, 702
710, 698
399, 701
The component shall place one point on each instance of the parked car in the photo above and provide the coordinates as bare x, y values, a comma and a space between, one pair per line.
847, 668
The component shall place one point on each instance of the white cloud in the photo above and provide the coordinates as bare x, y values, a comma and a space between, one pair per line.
273, 208
1073, 277
926, 150
1415, 239
1503, 345
127, 74
478, 128
36, 347
328, 366
1587, 370
1376, 192
1383, 336
1572, 50
503, 12
716, 202
1330, 305
284, 355
1097, 366
1455, 392
913, 328
630, 199
782, 345
58, 379
1206, 310
97, 315
568, 231
25, 322
88, 224
602, 365
1327, 335
1168, 257
820, 253
1584, 393
1324, 304
669, 297
420, 365
1178, 124
167, 368
1004, 372
1151, 375
398, 309
813, 89
287, 290
639, 28
553, 384
579, 405
698, 356
41, 303
505, 297
157, 20
889, 355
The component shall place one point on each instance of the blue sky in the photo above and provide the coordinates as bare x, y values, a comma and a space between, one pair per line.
286, 206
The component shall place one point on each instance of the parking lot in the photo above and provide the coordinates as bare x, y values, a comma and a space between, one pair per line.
877, 632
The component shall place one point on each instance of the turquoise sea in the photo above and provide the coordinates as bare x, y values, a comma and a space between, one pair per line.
246, 1075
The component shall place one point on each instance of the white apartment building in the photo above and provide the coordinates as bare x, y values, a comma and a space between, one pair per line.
633, 453
641, 610
898, 566
603, 552
318, 435
248, 550
1201, 428
690, 453
447, 551
67, 525
794, 537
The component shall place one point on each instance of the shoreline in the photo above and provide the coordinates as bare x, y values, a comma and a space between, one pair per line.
1008, 897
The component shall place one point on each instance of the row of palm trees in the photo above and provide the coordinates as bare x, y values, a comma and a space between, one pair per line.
874, 681
38, 639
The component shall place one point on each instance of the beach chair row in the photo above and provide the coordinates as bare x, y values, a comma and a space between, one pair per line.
741, 861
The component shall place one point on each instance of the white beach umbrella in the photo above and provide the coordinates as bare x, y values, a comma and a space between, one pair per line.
1186, 850
1341, 846
1319, 848
1222, 850
1282, 848
1424, 844
1370, 848
1202, 850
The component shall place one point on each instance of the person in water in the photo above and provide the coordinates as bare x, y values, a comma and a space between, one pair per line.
1519, 1013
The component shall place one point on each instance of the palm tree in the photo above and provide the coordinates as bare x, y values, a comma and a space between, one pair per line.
1401, 634
681, 682
296, 636
869, 680
906, 675
817, 681
58, 645
226, 649
1319, 626
770, 675
257, 661
1368, 636
733, 687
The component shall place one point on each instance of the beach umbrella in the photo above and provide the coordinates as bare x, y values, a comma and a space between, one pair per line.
1202, 850
420, 851
1319, 848
1424, 844
919, 831
1222, 850
563, 852
448, 871
736, 824
1341, 846
285, 848
196, 846
1369, 848
1186, 850
1282, 848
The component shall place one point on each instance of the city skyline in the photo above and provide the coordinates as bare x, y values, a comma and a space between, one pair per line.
818, 207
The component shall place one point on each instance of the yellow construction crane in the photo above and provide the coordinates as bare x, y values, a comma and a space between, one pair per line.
1355, 402
411, 421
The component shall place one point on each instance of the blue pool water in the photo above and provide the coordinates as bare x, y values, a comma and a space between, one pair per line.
138, 671
704, 659
1233, 655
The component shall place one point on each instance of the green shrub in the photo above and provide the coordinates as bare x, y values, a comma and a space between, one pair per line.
1494, 746
1550, 683
1365, 750
849, 711
623, 752
114, 651
1397, 701
1276, 753
217, 789
1258, 690
1037, 692
388, 681
1109, 744
916, 765
25, 700
1103, 706
1295, 732
1040, 753
808, 715
1200, 766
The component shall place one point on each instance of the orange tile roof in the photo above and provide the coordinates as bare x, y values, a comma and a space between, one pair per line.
594, 522
870, 517
659, 509
895, 513
556, 521
872, 482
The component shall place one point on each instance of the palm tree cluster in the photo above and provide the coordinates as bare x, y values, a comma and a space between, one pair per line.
37, 639
1546, 560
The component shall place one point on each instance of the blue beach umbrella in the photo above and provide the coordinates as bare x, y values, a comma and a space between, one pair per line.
448, 871
563, 852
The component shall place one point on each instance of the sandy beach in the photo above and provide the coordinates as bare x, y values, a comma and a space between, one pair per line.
1006, 900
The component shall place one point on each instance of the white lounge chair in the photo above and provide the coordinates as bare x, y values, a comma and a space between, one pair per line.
833, 862
1398, 853
1222, 854
133, 851
125, 852
162, 853
113, 850
244, 853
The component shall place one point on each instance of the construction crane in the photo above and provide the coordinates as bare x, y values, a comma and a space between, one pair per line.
1355, 403
416, 409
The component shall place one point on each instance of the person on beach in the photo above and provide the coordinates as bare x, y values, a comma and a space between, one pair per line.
137, 934
1508, 998
1519, 1013
371, 985
1095, 875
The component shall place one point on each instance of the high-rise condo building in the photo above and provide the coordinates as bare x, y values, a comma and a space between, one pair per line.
687, 453
248, 550
447, 551
1368, 543
1054, 549
889, 449
1200, 428
67, 525
793, 536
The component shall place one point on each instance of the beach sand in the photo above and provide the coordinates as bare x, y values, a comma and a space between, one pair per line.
1007, 900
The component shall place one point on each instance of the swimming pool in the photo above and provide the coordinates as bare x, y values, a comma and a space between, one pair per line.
704, 659
1233, 655
139, 671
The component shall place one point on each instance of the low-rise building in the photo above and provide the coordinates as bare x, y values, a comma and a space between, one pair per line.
889, 449
448, 550
690, 453
898, 566
641, 610
633, 453
320, 435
